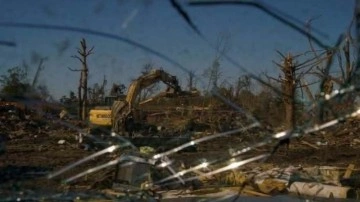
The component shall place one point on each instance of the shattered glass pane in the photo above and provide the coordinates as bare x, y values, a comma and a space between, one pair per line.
161, 100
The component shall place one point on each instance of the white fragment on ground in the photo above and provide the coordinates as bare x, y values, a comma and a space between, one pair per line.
183, 194
278, 174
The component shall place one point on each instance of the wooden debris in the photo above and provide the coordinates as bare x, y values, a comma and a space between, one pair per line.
348, 171
271, 186
205, 191
309, 144
233, 178
254, 193
356, 140
113, 193
321, 190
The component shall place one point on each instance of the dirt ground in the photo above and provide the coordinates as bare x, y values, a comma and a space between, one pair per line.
33, 153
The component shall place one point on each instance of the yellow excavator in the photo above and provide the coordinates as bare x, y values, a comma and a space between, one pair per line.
120, 116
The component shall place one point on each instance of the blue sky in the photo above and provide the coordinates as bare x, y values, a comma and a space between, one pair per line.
254, 36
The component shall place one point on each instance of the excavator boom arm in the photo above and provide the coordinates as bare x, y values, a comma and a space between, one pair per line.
147, 80
122, 109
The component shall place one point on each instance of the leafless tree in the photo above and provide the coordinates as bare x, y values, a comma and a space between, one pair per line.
97, 92
191, 80
329, 81
213, 73
117, 90
38, 71
84, 71
292, 73
242, 83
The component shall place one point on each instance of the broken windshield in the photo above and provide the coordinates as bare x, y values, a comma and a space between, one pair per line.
145, 98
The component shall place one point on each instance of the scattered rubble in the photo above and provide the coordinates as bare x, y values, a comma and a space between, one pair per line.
303, 173
322, 190
313, 182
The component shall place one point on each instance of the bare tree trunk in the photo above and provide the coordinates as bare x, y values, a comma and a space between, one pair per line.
102, 89
38, 70
85, 73
326, 88
190, 80
305, 85
288, 86
346, 50
80, 99
237, 88
83, 100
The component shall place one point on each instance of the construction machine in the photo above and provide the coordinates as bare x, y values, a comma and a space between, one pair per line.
121, 115
101, 115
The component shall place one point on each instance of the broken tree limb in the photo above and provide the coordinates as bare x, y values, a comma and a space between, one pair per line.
309, 144
348, 171
254, 193
74, 70
321, 190
307, 90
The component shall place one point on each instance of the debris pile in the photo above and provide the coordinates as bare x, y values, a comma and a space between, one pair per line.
15, 127
306, 182
17, 121
277, 178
